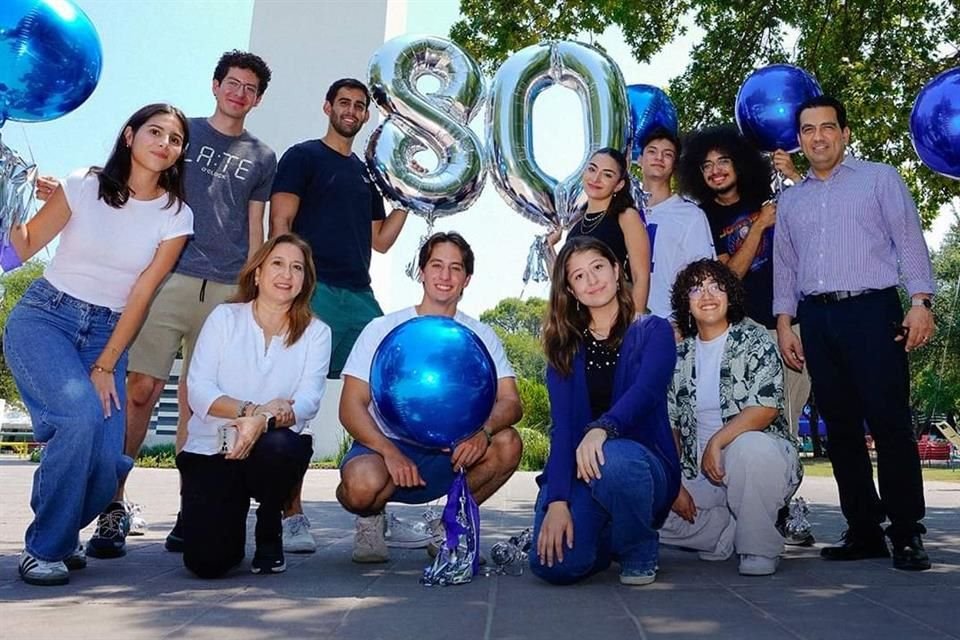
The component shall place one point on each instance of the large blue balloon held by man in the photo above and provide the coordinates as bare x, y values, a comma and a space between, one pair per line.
767, 103
433, 382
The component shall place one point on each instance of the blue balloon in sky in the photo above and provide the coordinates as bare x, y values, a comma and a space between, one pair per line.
433, 382
767, 104
50, 59
649, 108
935, 124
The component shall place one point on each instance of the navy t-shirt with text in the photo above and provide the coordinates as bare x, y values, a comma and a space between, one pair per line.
338, 203
730, 225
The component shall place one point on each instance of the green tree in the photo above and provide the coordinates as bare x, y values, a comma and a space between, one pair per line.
935, 369
14, 284
874, 55
517, 323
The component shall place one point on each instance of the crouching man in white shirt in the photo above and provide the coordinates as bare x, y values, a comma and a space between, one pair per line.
378, 469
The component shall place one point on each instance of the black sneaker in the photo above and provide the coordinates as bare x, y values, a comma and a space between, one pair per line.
268, 558
909, 555
76, 560
174, 541
857, 547
110, 538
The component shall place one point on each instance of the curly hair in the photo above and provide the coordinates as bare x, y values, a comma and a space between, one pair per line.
243, 60
754, 171
566, 320
693, 275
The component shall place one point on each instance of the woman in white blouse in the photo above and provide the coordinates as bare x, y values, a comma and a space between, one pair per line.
256, 379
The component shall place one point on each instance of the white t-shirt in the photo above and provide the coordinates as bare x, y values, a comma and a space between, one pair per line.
709, 356
103, 250
679, 234
232, 359
361, 357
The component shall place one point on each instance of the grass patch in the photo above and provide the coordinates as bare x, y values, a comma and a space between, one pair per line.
821, 468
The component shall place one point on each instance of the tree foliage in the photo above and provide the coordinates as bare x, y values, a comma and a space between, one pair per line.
935, 369
14, 284
875, 55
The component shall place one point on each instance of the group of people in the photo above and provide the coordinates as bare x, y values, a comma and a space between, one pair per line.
676, 371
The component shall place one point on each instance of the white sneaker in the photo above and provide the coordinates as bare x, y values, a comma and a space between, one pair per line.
369, 546
296, 535
406, 535
42, 573
724, 548
751, 565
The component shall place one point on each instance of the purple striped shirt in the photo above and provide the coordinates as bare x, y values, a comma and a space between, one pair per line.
857, 229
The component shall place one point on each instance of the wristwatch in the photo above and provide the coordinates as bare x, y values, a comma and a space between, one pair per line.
921, 302
271, 420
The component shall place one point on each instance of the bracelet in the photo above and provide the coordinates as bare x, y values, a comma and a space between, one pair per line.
100, 369
246, 404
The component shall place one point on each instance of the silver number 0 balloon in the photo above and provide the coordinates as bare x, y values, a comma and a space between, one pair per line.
598, 82
415, 121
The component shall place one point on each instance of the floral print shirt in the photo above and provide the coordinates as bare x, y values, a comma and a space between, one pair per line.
751, 375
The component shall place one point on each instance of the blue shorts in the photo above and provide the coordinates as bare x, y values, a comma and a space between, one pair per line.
434, 466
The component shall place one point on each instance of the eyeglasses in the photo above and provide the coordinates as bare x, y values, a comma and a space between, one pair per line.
723, 162
713, 288
235, 86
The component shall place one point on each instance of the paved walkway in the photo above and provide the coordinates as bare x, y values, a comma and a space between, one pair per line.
148, 594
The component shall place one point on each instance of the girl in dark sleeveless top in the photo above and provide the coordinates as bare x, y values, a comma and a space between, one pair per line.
612, 218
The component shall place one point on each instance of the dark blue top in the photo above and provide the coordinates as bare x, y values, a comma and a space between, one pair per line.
338, 203
648, 354
609, 232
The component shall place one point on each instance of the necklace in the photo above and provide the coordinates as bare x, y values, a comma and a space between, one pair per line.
591, 221
269, 331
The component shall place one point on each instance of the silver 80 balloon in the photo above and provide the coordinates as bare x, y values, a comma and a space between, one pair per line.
417, 121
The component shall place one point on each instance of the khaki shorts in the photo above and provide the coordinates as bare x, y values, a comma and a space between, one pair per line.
176, 315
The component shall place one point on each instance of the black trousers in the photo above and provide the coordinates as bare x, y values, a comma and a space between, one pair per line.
860, 376
215, 497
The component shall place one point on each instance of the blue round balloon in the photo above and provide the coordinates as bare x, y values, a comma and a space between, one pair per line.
433, 382
50, 59
935, 124
767, 105
650, 108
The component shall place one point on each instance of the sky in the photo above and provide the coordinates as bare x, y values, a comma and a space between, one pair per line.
165, 50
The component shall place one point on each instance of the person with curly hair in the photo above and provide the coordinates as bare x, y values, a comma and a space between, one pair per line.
613, 470
732, 182
740, 464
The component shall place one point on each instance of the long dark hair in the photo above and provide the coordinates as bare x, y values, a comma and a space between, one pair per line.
691, 276
566, 321
114, 174
299, 314
754, 171
622, 199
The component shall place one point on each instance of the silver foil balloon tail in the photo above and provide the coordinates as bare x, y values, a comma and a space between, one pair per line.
536, 268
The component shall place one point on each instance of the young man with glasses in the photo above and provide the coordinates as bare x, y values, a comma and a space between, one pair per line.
732, 182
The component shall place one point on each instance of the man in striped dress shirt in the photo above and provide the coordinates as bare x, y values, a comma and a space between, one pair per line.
847, 235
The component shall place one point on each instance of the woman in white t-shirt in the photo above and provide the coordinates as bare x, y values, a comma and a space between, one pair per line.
121, 230
740, 464
257, 376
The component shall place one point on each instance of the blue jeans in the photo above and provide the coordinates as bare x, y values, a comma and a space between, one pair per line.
612, 516
433, 466
50, 342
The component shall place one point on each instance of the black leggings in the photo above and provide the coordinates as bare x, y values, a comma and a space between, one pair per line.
215, 497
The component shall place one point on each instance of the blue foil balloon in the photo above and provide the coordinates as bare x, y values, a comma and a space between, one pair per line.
650, 108
433, 382
50, 59
935, 124
767, 105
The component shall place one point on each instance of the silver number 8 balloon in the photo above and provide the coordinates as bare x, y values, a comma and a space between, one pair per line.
417, 121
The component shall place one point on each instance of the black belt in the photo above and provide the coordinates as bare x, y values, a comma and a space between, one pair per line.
837, 296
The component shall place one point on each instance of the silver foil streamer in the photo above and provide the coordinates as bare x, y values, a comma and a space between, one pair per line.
536, 268
17, 179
